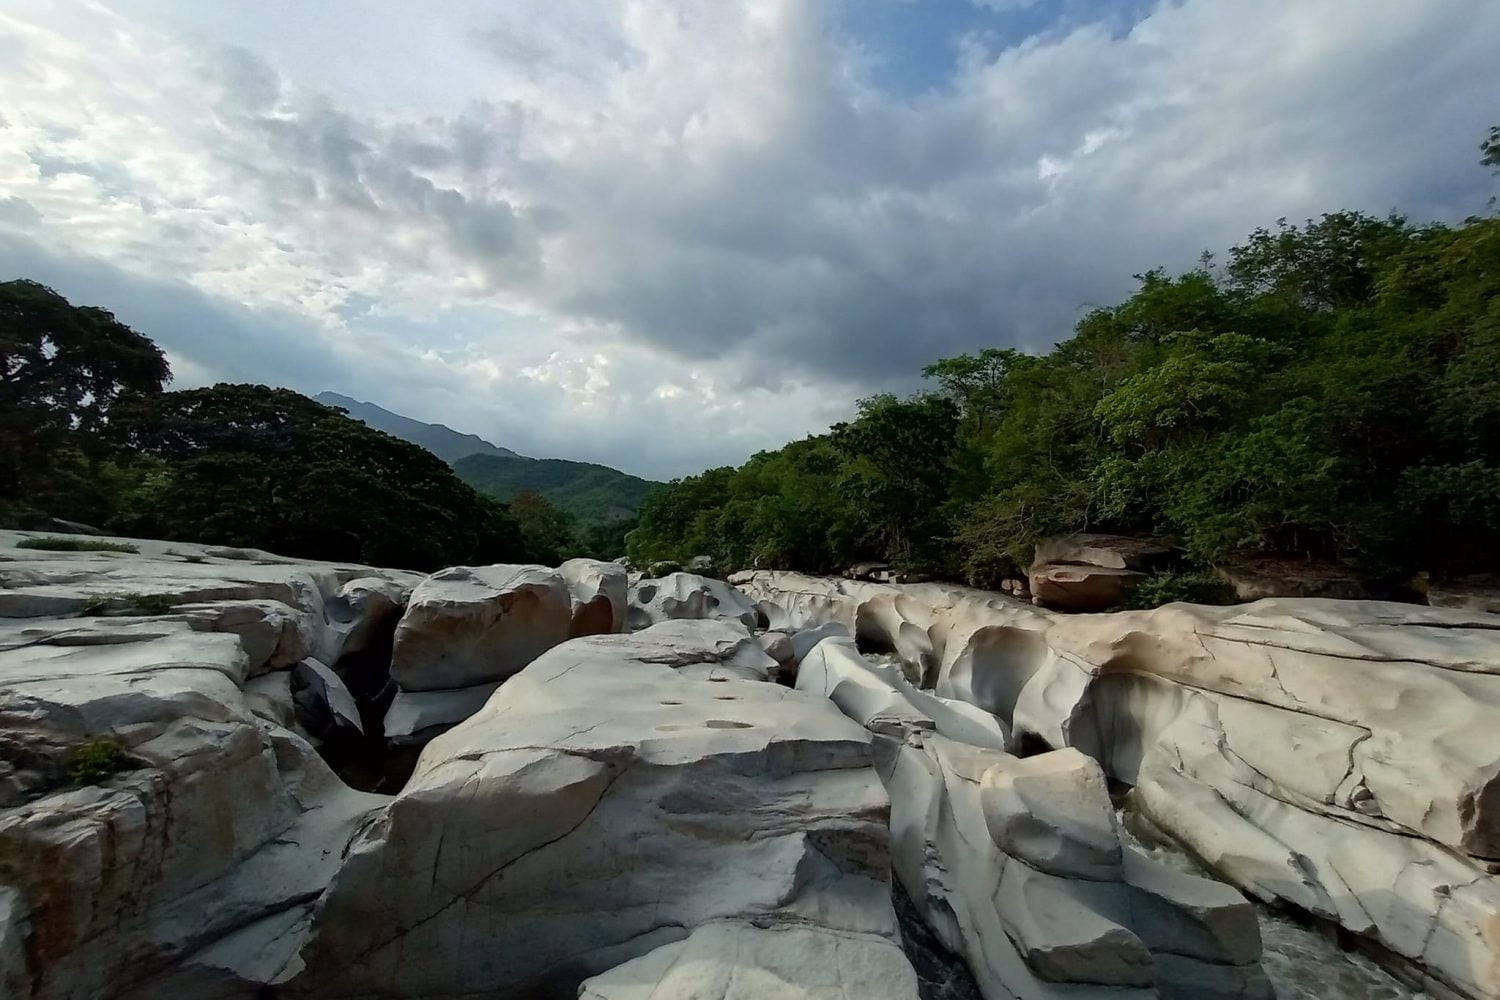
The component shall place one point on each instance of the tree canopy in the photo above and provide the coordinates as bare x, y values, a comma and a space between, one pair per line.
89, 434
1332, 392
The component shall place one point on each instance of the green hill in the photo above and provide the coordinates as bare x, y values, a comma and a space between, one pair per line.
592, 493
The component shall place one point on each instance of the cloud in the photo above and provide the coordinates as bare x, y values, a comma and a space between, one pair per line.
663, 233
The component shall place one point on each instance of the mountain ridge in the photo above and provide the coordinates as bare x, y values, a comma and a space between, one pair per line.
593, 493
440, 439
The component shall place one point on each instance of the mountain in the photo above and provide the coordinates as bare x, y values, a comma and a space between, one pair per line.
440, 439
592, 493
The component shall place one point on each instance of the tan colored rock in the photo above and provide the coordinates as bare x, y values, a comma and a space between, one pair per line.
479, 624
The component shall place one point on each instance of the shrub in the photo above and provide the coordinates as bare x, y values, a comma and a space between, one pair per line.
59, 543
96, 760
1190, 587
131, 603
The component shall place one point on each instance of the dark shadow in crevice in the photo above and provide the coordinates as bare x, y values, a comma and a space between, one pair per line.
941, 975
368, 762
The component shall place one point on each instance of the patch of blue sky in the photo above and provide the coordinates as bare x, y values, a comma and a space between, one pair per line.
914, 46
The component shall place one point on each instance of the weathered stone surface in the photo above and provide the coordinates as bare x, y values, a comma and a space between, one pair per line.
1046, 902
479, 624
1080, 588
1045, 811
735, 960
218, 821
600, 595
1104, 551
684, 595
1084, 572
616, 794
323, 705
417, 716
1336, 755
205, 853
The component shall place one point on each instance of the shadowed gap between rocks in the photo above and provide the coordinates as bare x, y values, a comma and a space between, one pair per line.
367, 761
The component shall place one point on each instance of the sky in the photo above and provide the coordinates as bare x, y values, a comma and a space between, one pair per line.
665, 234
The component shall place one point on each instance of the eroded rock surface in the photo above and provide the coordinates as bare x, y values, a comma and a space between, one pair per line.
1018, 865
1339, 756
686, 595
614, 796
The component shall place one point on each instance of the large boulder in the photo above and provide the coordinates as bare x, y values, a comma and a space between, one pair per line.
478, 624
1338, 756
197, 854
614, 796
600, 595
1087, 572
686, 595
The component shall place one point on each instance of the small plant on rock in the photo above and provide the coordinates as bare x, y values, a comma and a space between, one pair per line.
1191, 587
58, 543
131, 603
97, 759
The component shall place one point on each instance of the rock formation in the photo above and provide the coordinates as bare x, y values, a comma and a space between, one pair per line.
616, 796
1341, 757
210, 832
468, 629
686, 595
645, 815
1083, 572
1018, 865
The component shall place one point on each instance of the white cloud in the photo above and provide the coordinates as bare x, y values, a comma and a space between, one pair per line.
664, 233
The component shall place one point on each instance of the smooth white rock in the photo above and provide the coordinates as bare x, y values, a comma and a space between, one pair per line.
735, 960
615, 794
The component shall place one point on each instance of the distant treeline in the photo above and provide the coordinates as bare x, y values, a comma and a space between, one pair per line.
88, 434
1331, 392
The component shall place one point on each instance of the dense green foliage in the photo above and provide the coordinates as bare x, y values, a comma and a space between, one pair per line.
591, 493
88, 434
94, 761
1331, 393
62, 368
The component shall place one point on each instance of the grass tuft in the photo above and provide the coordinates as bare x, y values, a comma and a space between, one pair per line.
64, 543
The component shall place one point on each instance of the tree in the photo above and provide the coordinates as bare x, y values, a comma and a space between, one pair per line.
550, 533
62, 368
269, 468
897, 460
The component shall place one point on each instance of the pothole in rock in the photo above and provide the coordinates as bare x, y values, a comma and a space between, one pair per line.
726, 724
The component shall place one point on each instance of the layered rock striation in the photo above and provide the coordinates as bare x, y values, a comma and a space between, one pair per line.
1341, 757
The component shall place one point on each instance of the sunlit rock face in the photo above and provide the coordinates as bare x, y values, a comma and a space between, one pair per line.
686, 595
648, 815
469, 628
192, 864
1017, 864
1340, 756
620, 794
